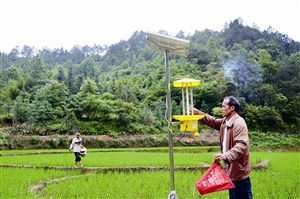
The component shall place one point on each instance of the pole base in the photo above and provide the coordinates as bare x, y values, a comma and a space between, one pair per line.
172, 195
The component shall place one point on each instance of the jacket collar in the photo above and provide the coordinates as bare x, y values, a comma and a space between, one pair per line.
230, 123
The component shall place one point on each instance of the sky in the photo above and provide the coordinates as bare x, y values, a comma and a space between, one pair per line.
65, 23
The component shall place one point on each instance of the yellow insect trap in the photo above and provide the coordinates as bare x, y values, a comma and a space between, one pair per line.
188, 121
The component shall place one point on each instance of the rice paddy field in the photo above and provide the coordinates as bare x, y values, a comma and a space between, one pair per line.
280, 181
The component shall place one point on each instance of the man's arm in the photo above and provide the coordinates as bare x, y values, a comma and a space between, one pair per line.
71, 145
209, 120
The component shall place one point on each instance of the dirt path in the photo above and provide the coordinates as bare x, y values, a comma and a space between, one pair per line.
154, 150
203, 166
106, 169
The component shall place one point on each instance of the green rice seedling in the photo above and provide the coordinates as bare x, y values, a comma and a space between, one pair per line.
147, 149
271, 184
113, 159
281, 180
15, 182
110, 159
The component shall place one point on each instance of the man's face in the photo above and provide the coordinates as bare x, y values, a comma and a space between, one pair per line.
226, 109
77, 135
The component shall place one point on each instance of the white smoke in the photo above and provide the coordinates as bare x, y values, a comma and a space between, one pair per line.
242, 73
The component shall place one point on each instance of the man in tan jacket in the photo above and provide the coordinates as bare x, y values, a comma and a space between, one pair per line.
234, 143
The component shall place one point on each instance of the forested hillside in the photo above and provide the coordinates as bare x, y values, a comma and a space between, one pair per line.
119, 89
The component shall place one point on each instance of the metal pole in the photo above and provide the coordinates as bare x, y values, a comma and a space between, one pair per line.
168, 115
187, 100
183, 101
192, 101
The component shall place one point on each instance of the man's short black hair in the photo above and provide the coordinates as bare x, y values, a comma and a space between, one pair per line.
233, 102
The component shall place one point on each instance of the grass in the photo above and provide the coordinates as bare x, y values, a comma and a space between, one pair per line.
16, 181
110, 159
150, 149
126, 185
280, 181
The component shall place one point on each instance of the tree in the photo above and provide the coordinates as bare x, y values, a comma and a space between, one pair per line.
236, 32
86, 99
252, 116
270, 68
56, 94
289, 76
60, 74
77, 56
269, 119
291, 113
41, 111
88, 87
264, 94
109, 88
117, 53
12, 89
27, 51
37, 68
279, 101
71, 77
13, 72
6, 107
14, 55
88, 68
21, 109
137, 41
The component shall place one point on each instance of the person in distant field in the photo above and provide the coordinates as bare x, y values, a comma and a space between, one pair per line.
76, 145
234, 141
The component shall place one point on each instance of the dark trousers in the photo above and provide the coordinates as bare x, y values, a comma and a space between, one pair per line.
242, 189
77, 157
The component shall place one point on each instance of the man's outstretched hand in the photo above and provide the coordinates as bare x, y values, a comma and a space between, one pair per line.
196, 111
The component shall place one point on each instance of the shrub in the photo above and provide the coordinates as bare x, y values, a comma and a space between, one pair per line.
217, 111
3, 139
252, 116
273, 140
269, 118
56, 127
97, 128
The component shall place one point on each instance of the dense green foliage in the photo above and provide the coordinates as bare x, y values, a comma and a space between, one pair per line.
119, 89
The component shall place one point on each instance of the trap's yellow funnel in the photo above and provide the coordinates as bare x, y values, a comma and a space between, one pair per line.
189, 123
